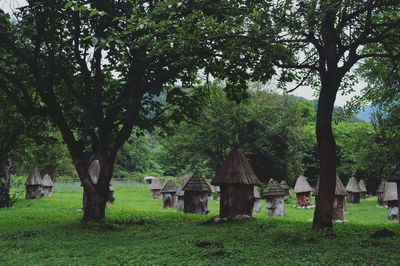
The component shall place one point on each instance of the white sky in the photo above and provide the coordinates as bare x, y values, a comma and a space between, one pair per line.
341, 100
306, 92
8, 5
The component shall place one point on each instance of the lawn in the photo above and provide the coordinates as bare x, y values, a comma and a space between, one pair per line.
139, 232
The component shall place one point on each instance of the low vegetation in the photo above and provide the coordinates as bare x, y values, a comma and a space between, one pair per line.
138, 231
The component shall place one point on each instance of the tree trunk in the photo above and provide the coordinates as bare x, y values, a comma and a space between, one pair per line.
96, 194
5, 180
330, 82
95, 206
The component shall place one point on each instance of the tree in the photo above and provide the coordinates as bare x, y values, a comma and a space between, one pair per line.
15, 131
99, 68
325, 40
11, 129
268, 127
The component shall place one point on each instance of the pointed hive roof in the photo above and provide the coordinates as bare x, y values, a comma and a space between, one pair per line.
381, 187
94, 171
395, 176
390, 191
302, 185
168, 186
256, 193
34, 178
362, 186
352, 186
155, 184
47, 182
184, 180
274, 189
236, 170
196, 183
340, 190
284, 185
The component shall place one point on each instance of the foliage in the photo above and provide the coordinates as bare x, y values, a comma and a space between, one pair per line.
139, 154
267, 126
383, 92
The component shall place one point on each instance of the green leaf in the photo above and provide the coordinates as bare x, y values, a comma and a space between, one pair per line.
68, 4
92, 13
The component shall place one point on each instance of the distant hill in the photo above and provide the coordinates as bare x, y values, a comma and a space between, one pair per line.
365, 114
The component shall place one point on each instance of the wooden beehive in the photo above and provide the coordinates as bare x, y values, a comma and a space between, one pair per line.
236, 180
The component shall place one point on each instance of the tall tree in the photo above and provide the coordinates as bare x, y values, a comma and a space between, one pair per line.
11, 129
324, 41
99, 68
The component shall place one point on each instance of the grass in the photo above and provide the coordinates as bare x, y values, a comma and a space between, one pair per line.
139, 232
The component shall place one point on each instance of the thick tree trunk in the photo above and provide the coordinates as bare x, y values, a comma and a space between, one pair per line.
96, 194
5, 180
95, 206
330, 82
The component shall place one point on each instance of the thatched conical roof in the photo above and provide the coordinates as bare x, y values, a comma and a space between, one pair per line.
196, 183
274, 189
47, 182
302, 185
381, 187
390, 191
395, 176
34, 178
362, 186
256, 193
352, 186
168, 187
236, 170
94, 171
155, 184
284, 185
340, 190
184, 180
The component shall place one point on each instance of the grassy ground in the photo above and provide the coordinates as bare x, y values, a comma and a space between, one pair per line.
140, 232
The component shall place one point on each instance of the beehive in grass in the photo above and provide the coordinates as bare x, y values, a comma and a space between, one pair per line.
391, 200
34, 185
168, 191
363, 189
196, 195
275, 197
47, 186
179, 200
155, 188
353, 190
303, 192
236, 180
395, 177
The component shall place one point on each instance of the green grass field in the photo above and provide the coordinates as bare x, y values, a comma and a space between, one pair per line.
140, 232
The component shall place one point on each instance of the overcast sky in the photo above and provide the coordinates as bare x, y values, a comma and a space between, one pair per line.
306, 92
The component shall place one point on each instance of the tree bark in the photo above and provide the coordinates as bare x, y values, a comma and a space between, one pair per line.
96, 194
5, 180
330, 83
